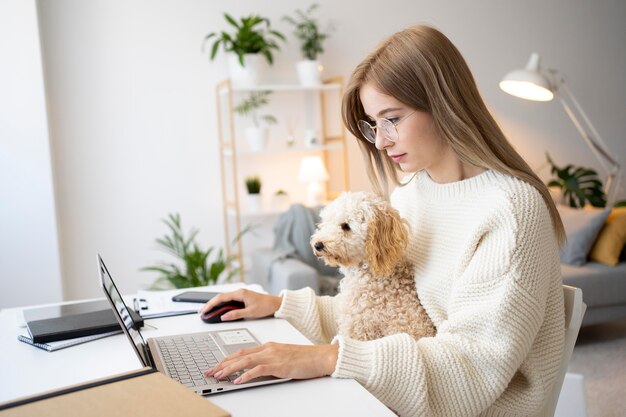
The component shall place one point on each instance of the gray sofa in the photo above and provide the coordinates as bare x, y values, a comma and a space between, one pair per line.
604, 290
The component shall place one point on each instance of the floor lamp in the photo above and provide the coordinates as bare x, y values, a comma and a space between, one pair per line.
534, 83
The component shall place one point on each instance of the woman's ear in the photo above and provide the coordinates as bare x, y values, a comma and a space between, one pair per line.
387, 237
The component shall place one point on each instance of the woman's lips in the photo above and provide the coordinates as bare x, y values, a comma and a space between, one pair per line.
397, 158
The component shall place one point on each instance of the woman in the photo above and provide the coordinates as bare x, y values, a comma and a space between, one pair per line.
485, 242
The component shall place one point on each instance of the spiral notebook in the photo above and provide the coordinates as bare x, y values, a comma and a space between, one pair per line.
61, 344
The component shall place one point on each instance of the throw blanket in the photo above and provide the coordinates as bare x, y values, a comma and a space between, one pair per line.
292, 234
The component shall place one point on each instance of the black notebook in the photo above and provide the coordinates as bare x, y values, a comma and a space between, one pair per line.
76, 325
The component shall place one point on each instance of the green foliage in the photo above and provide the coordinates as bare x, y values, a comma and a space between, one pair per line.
579, 185
307, 31
251, 105
249, 38
253, 185
197, 267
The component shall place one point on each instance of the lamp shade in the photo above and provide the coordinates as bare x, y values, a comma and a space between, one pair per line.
312, 169
528, 83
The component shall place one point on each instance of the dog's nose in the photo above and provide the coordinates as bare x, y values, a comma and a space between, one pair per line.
319, 246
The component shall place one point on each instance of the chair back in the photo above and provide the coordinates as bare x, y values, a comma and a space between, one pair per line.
574, 312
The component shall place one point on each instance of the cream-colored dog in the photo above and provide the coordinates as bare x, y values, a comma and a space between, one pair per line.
363, 235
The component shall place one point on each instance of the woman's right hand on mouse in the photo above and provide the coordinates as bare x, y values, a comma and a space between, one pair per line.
257, 305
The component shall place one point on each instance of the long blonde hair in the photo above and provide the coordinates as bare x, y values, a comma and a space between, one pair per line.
421, 68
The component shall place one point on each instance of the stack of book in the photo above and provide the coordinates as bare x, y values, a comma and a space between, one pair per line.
58, 327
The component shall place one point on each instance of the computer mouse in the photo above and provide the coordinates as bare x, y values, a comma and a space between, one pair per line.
215, 314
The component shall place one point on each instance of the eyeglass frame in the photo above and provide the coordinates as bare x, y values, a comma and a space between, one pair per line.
375, 128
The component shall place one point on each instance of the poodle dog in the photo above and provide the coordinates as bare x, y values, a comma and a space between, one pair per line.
363, 235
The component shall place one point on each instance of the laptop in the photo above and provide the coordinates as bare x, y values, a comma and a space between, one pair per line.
183, 357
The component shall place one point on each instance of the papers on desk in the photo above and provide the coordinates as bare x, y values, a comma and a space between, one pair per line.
52, 346
153, 304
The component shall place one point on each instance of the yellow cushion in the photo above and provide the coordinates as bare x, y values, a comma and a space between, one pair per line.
611, 238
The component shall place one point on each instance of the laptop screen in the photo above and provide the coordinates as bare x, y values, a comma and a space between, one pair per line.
122, 313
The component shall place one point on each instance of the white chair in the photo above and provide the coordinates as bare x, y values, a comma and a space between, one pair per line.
574, 312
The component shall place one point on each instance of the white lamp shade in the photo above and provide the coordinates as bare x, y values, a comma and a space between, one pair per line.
312, 169
528, 83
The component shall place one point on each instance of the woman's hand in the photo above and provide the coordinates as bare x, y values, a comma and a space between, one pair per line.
256, 305
279, 360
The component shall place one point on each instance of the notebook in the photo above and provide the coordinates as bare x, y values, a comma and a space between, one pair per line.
61, 344
183, 357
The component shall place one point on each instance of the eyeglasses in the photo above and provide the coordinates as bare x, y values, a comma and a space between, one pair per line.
388, 128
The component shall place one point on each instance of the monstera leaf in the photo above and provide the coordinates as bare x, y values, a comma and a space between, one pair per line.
579, 185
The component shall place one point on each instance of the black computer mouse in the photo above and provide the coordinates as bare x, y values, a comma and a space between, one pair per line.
215, 314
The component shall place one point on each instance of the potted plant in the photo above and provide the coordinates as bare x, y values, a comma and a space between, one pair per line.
308, 32
253, 186
280, 200
253, 38
257, 134
196, 266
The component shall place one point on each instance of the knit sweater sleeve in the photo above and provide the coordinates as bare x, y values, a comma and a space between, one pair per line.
312, 315
495, 310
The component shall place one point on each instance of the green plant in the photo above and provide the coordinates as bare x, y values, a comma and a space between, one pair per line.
579, 185
253, 185
307, 31
252, 104
280, 192
249, 38
198, 268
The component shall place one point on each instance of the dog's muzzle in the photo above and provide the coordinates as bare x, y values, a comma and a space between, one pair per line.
318, 246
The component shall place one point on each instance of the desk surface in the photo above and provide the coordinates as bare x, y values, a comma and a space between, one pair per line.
27, 370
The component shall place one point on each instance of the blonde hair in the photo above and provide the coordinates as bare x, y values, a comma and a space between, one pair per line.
421, 68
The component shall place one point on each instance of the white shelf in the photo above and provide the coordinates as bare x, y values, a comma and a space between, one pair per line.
293, 149
284, 87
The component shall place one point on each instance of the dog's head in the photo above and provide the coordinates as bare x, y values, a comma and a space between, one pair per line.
360, 227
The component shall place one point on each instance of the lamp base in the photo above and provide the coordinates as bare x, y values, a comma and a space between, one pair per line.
314, 194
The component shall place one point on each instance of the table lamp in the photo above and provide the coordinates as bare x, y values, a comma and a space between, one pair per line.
313, 172
534, 83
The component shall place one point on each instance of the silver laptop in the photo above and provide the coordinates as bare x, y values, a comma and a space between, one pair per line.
183, 357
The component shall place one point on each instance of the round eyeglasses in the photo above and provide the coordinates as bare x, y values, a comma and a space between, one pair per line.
387, 127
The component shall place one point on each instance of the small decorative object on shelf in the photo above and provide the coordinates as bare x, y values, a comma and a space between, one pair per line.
311, 140
253, 186
196, 268
247, 44
280, 200
307, 30
257, 135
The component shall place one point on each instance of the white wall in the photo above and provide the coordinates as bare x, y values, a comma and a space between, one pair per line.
29, 255
132, 112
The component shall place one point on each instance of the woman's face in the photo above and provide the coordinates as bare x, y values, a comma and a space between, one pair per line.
418, 145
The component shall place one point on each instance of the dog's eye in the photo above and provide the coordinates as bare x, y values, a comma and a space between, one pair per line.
345, 227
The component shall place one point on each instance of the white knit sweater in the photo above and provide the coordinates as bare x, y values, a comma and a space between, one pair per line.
488, 274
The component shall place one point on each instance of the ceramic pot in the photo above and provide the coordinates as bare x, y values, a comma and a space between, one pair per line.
309, 72
248, 75
257, 138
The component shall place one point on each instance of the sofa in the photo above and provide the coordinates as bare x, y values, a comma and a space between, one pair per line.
604, 289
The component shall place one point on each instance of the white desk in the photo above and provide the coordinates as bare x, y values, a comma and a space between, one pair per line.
26, 370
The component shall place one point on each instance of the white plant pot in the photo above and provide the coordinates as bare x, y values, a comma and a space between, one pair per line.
248, 75
257, 138
254, 202
309, 72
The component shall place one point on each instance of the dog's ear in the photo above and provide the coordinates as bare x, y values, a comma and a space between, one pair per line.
387, 237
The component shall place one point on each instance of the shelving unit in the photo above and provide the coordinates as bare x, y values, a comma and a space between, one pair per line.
320, 106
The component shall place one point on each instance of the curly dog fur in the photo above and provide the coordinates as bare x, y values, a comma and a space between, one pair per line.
366, 237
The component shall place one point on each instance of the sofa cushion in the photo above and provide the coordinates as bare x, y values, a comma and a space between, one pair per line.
611, 239
602, 285
581, 228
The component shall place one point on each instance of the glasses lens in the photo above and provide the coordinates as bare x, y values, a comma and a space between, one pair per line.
367, 131
388, 129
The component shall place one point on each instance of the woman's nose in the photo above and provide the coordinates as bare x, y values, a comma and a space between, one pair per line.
381, 140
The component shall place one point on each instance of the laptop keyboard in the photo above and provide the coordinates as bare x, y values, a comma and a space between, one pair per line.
186, 357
